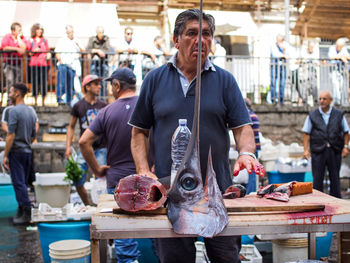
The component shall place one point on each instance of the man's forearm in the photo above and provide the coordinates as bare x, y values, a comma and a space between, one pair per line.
244, 137
306, 140
346, 138
9, 142
70, 133
139, 149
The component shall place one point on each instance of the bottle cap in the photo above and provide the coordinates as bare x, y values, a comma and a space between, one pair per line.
182, 122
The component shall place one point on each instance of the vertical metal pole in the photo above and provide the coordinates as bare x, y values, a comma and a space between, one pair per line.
286, 24
286, 20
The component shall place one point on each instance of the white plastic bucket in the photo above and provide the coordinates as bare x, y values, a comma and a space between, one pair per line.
293, 249
53, 195
70, 251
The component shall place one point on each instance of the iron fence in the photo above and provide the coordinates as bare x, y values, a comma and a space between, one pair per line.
264, 80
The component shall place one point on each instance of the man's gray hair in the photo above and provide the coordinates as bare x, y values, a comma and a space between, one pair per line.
69, 27
192, 14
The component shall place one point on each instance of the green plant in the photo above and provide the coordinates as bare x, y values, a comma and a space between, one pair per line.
73, 171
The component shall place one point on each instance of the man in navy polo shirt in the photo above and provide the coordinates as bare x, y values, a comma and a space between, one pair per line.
168, 94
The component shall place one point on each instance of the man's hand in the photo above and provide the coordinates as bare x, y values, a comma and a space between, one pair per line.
6, 163
249, 163
101, 171
345, 152
68, 152
307, 154
149, 174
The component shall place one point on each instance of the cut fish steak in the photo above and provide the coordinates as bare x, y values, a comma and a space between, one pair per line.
138, 192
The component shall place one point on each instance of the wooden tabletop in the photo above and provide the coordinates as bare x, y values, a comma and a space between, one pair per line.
336, 211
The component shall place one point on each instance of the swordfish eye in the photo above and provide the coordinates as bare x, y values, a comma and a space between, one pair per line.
188, 182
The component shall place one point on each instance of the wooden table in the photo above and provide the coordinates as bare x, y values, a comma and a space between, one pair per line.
334, 218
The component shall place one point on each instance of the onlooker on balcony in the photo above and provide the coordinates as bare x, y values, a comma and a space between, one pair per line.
308, 71
67, 53
279, 57
218, 52
39, 63
155, 56
127, 49
14, 46
99, 47
339, 56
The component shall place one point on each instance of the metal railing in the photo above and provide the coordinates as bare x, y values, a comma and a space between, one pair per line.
264, 80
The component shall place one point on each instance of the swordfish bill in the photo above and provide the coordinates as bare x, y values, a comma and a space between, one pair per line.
192, 208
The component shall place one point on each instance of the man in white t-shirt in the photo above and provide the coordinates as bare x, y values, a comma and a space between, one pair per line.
127, 49
339, 56
68, 65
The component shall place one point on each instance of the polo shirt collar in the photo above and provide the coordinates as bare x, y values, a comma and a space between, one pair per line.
325, 113
207, 65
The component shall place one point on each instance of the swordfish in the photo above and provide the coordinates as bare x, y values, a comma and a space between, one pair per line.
192, 208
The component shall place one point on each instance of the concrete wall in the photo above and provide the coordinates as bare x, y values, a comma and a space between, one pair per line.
285, 123
281, 123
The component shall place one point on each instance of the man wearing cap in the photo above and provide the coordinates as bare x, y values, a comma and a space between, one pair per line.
112, 123
86, 111
18, 152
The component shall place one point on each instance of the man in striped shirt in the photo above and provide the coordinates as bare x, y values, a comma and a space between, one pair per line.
251, 186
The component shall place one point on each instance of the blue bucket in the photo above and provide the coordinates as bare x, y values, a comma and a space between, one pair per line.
52, 232
8, 204
323, 245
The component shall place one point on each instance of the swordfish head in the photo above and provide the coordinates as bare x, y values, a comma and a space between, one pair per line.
192, 208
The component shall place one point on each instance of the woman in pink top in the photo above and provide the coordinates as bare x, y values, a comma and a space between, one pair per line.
39, 62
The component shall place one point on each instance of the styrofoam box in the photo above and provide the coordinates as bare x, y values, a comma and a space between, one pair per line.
50, 179
252, 253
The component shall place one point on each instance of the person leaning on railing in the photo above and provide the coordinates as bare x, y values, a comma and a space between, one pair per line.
14, 46
68, 65
98, 48
38, 63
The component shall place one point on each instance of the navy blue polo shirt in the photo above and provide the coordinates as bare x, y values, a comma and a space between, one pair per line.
162, 102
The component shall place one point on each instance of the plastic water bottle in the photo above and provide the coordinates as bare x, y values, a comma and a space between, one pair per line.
179, 142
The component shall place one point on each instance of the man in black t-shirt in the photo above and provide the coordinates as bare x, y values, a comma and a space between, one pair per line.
86, 111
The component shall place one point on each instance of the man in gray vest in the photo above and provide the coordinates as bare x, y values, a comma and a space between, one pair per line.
326, 132
18, 153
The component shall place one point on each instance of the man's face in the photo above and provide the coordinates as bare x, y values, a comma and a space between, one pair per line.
187, 43
94, 87
70, 33
324, 100
17, 31
100, 34
128, 35
12, 95
339, 47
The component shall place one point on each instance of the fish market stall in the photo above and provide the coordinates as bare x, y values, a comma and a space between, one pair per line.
310, 213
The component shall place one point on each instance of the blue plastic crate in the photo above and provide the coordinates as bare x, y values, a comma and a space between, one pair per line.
8, 204
275, 177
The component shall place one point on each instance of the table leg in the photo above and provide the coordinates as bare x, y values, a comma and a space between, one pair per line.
103, 250
312, 245
95, 251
